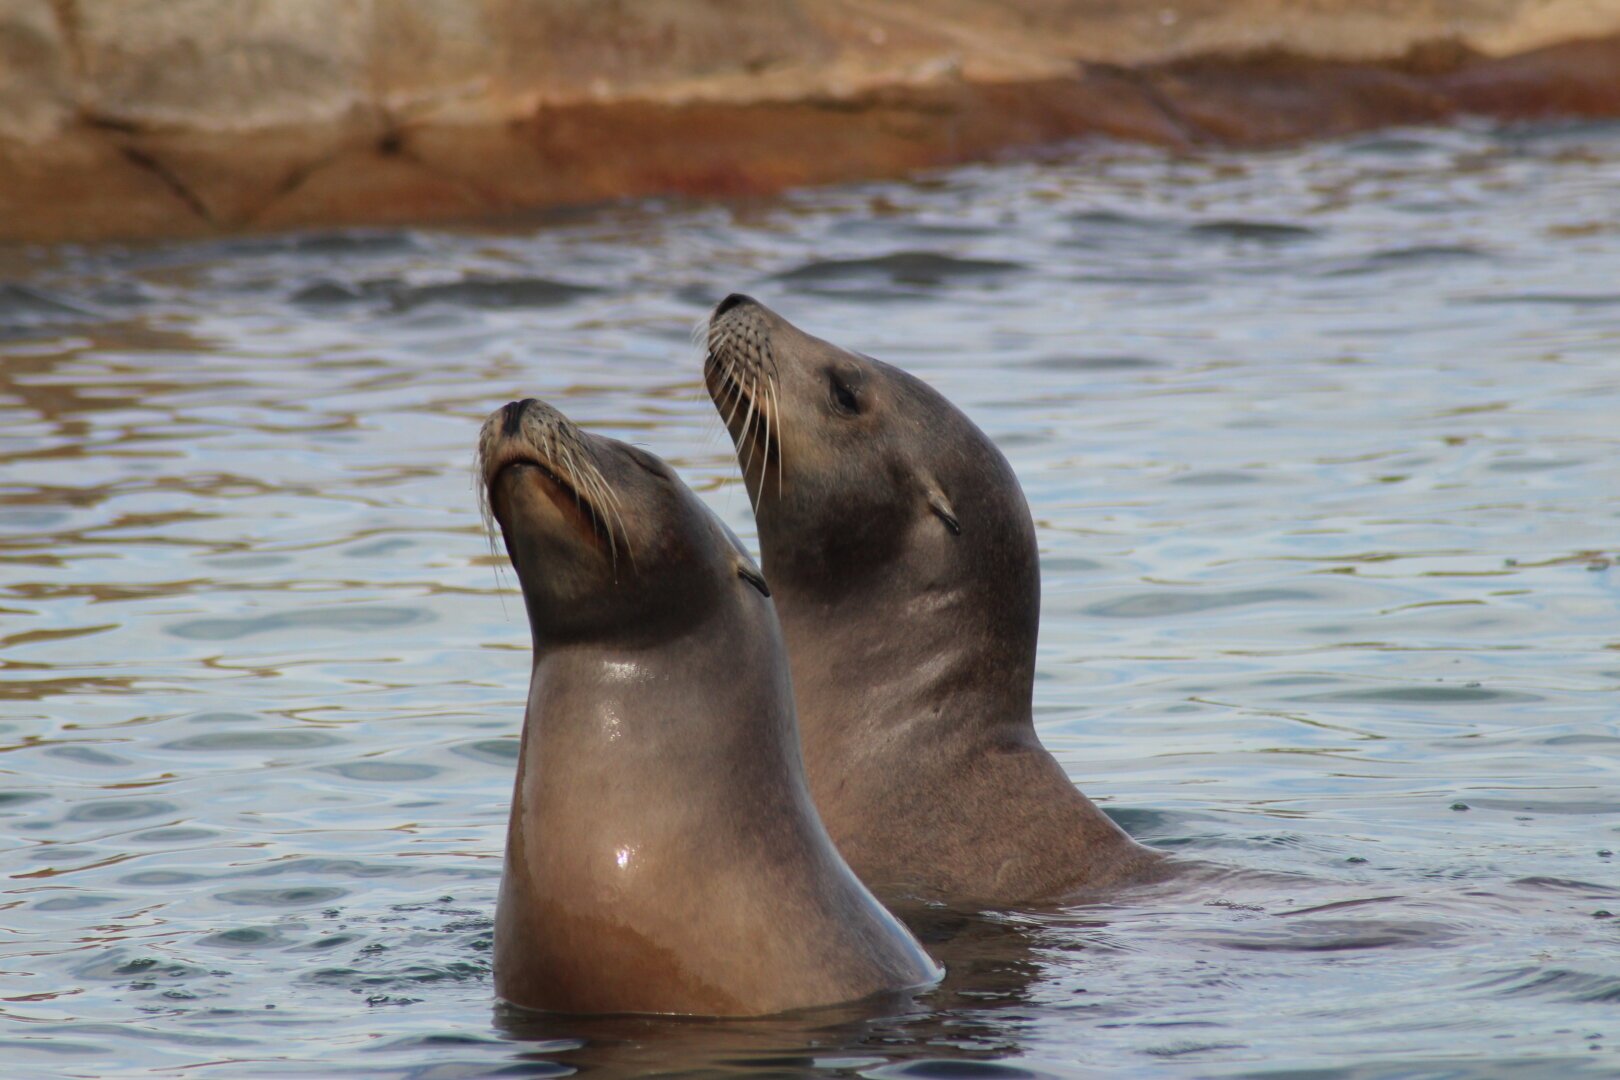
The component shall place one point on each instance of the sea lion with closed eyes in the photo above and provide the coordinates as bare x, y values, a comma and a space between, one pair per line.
663, 854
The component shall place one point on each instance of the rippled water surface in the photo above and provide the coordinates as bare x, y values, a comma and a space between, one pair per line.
1324, 448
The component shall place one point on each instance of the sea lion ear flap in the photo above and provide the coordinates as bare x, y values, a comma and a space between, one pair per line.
750, 573
941, 506
739, 556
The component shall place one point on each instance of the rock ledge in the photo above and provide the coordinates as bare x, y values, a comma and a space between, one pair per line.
123, 119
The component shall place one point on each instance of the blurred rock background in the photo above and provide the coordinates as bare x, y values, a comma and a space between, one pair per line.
157, 118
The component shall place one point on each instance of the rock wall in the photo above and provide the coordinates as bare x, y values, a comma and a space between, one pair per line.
147, 118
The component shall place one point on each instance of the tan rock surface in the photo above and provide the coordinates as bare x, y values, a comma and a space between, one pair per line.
131, 118
222, 65
35, 76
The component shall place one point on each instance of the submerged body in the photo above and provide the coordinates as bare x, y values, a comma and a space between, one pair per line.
663, 854
907, 580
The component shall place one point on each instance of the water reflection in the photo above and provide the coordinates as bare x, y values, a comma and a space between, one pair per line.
990, 963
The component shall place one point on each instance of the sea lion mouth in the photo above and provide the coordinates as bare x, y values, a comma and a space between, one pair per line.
528, 435
553, 478
574, 505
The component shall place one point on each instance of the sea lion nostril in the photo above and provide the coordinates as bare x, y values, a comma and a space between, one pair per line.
512, 417
734, 300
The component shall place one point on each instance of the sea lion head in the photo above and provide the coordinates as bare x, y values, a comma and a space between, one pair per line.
862, 473
606, 540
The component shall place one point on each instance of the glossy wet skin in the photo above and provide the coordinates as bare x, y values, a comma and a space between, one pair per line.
908, 583
663, 854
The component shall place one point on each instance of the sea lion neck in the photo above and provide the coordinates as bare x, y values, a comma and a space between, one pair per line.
657, 695
924, 626
681, 613
906, 660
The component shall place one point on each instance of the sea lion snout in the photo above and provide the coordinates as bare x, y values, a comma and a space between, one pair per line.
736, 299
529, 428
596, 528
560, 512
513, 413
534, 433
744, 379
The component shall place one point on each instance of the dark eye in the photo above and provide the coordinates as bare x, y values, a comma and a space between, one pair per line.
843, 396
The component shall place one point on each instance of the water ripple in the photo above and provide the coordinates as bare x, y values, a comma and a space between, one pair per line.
1321, 448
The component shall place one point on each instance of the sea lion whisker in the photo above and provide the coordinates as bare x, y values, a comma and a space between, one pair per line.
733, 387
486, 515
747, 436
591, 480
571, 475
746, 392
720, 367
773, 445
726, 367
765, 451
486, 509
736, 401
567, 462
584, 495
612, 506
745, 454
776, 407
480, 477
748, 421
629, 549
760, 436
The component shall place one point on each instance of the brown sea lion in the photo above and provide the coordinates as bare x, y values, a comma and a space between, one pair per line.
907, 580
663, 854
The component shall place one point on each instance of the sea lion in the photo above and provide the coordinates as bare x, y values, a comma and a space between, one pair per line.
907, 579
663, 853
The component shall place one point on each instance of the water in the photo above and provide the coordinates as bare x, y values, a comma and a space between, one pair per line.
1324, 448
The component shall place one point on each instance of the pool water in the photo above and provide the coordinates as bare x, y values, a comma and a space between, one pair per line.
1323, 445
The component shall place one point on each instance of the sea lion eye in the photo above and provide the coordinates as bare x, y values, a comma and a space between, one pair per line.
843, 395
